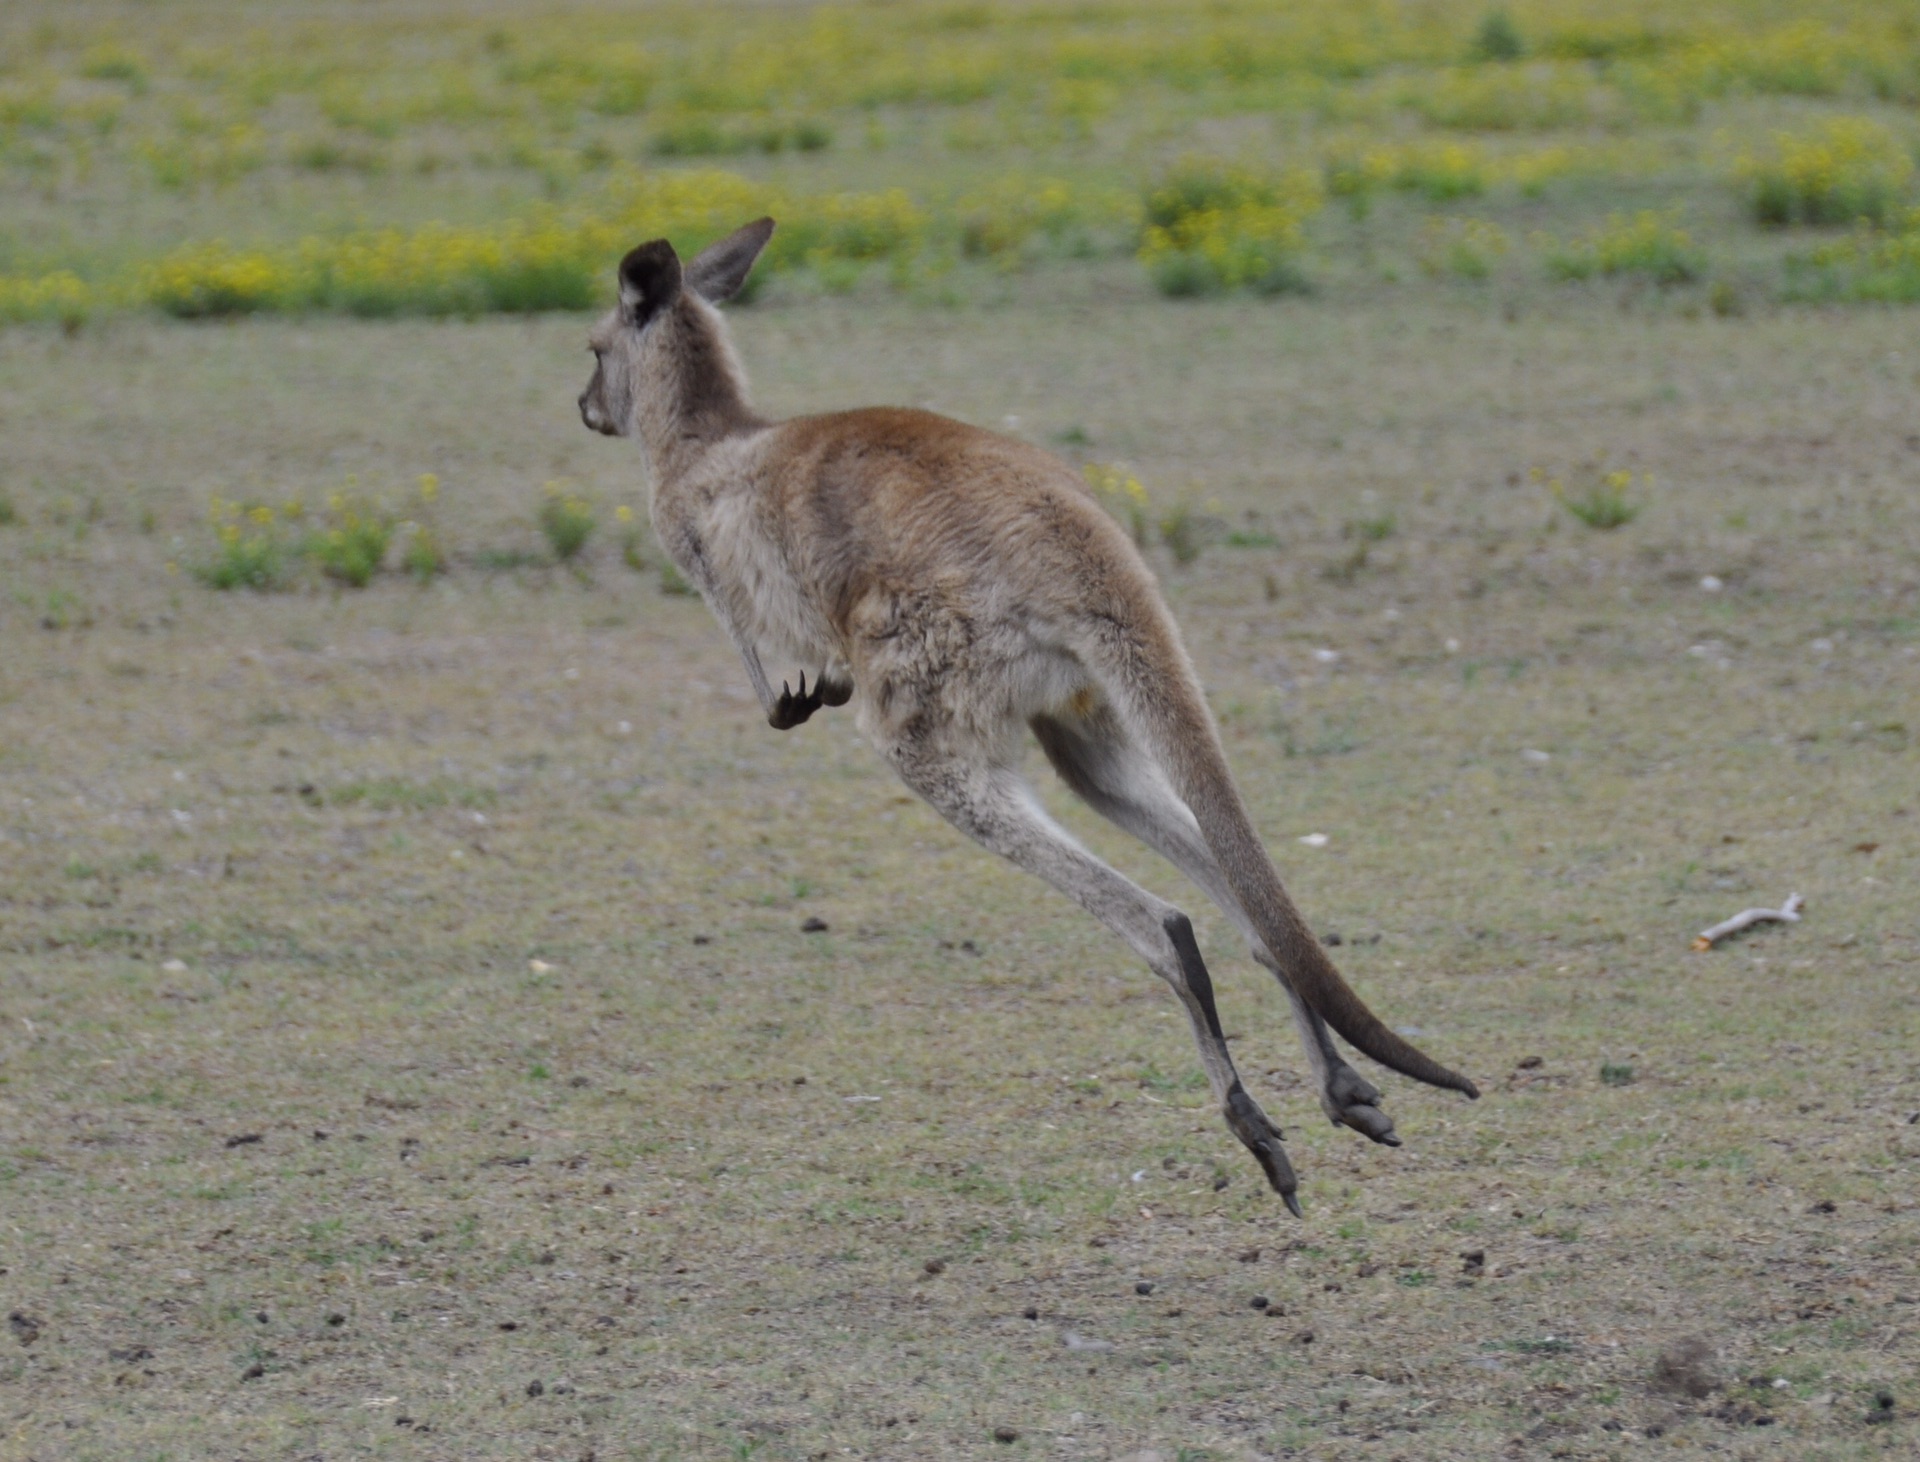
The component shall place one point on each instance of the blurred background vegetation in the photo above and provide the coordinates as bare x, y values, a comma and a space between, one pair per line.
430, 158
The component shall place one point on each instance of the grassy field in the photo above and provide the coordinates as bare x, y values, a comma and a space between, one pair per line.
411, 1040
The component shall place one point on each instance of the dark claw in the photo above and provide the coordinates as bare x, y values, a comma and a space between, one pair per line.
794, 707
1293, 1205
791, 709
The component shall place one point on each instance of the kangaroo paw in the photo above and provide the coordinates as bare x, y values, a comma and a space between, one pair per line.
833, 692
1350, 1100
791, 709
1253, 1127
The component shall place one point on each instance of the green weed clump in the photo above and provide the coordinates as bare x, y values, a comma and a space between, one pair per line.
1607, 502
424, 557
1212, 227
1497, 39
1646, 245
1851, 170
251, 548
567, 521
1883, 268
1123, 495
1461, 248
349, 544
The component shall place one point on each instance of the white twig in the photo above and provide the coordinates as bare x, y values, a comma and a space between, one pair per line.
1787, 913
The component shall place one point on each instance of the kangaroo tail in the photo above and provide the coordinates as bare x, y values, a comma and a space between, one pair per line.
1164, 705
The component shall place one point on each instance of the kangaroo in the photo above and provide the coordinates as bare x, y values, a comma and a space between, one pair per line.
962, 588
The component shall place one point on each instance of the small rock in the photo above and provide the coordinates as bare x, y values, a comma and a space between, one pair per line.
1825, 1205
1332, 939
1259, 1302
253, 1372
336, 1319
1473, 1261
1030, 1313
536, 1388
813, 924
1145, 1286
1220, 1183
935, 1266
1528, 1063
1687, 1366
1303, 1337
1005, 1434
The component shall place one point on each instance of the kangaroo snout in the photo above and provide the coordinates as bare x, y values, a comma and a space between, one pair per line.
593, 416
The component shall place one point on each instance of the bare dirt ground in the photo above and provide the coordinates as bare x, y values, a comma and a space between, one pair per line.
409, 1046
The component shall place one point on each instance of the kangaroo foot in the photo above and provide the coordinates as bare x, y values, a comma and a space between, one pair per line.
1353, 1101
833, 692
1253, 1127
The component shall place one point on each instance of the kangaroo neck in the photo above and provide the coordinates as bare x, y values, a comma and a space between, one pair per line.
693, 394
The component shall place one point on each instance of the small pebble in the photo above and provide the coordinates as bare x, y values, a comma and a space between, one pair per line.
1030, 1313
535, 1388
1259, 1302
1005, 1434
1143, 1287
935, 1266
813, 925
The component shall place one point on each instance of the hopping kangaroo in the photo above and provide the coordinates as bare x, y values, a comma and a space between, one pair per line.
960, 589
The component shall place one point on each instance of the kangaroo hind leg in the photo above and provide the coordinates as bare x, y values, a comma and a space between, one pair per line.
993, 806
1120, 780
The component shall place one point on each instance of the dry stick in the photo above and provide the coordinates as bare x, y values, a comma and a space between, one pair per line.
1787, 913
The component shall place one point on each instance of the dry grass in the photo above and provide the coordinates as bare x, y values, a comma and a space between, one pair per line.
688, 1171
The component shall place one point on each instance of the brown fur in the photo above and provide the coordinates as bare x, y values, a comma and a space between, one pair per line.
968, 587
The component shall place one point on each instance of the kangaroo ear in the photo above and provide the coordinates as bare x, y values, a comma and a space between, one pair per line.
649, 280
719, 270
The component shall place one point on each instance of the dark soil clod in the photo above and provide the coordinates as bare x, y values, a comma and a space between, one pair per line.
935, 1266
1689, 1367
1528, 1063
1145, 1286
1259, 1302
245, 1139
1005, 1434
813, 924
1473, 1261
536, 1388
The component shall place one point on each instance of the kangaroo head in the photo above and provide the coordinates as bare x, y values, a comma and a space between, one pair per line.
663, 337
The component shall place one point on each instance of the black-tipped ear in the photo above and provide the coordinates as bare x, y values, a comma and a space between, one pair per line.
649, 280
719, 270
